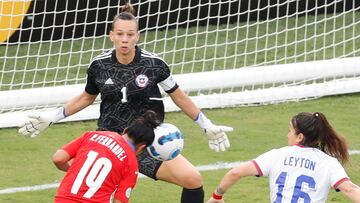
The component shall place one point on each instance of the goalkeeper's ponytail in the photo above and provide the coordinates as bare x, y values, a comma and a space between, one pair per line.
320, 134
128, 8
127, 13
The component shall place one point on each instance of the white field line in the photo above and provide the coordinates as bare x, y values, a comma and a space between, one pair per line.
210, 167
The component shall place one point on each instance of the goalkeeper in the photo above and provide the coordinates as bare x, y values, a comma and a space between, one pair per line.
127, 78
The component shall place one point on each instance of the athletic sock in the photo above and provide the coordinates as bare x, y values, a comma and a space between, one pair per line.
192, 195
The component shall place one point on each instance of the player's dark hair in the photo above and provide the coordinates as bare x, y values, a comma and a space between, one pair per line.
320, 134
127, 13
141, 129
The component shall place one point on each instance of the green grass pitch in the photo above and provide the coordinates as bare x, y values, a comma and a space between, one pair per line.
27, 162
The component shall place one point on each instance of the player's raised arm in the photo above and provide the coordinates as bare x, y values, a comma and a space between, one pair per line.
230, 178
216, 134
351, 190
37, 123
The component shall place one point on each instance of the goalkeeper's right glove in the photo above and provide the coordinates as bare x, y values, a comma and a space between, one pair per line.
216, 134
39, 122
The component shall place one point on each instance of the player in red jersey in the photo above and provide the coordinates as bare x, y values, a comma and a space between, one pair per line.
103, 164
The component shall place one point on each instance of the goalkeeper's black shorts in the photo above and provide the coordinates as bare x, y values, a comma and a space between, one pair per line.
148, 165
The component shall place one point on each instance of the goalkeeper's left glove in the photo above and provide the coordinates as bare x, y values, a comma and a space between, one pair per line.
216, 134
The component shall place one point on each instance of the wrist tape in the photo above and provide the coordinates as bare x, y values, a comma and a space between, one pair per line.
202, 121
216, 196
60, 114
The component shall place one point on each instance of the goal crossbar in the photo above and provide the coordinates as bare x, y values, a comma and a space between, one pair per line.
338, 76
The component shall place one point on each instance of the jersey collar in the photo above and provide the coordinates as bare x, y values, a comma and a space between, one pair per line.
299, 145
136, 58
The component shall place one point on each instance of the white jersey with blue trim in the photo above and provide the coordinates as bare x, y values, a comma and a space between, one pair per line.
300, 174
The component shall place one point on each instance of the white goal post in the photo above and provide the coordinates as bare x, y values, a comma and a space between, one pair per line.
222, 53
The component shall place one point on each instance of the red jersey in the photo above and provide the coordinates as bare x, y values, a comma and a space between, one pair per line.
104, 165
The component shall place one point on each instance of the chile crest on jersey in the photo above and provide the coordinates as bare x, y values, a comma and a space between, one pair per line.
142, 80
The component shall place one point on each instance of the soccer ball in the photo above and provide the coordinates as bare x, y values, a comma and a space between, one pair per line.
167, 144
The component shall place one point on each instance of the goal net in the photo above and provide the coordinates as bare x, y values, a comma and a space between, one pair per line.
222, 53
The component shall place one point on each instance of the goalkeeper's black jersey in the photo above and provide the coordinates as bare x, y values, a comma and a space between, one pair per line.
127, 91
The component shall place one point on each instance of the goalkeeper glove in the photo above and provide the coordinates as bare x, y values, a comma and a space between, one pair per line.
39, 122
216, 134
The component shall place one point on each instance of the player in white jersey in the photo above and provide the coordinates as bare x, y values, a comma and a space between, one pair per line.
305, 170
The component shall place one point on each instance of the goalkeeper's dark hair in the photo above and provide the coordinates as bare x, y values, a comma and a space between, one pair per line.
127, 13
141, 129
320, 134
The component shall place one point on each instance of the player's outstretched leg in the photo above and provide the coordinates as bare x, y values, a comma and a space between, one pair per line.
181, 172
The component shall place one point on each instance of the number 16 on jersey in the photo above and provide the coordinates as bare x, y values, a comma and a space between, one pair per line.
297, 193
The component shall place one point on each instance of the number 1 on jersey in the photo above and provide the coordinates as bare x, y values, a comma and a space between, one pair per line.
98, 172
123, 92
